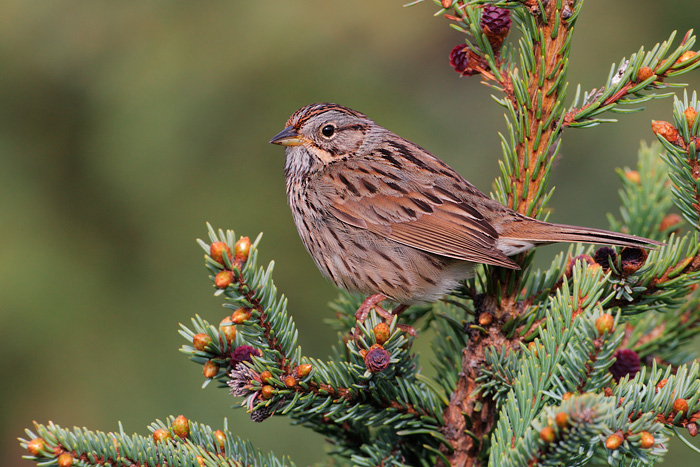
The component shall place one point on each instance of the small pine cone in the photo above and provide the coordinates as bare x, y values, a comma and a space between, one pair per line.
601, 256
464, 61
244, 353
680, 405
644, 73
377, 359
570, 264
665, 129
632, 259
690, 115
626, 363
260, 415
495, 22
181, 426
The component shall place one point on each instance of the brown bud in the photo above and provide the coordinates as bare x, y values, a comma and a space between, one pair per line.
382, 333
181, 426
686, 56
608, 392
217, 250
242, 248
690, 116
220, 438
446, 3
267, 392
210, 369
669, 221
693, 429
632, 258
200, 460
290, 381
223, 279
304, 369
561, 419
377, 359
547, 434
160, 435
633, 176
604, 323
241, 315
665, 130
661, 384
227, 329
614, 441
680, 405
644, 73
35, 446
265, 376
566, 395
64, 460
532, 347
485, 318
200, 341
646, 439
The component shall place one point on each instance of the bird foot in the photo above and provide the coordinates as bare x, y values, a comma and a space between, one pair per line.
372, 303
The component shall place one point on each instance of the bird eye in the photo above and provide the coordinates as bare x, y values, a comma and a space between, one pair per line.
328, 131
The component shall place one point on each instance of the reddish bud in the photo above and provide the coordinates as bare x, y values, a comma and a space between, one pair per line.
161, 434
633, 176
680, 405
220, 438
485, 318
223, 279
532, 347
665, 130
241, 315
290, 381
547, 434
217, 250
561, 419
670, 221
242, 249
693, 429
686, 56
210, 369
690, 116
446, 3
181, 426
35, 446
265, 376
267, 392
627, 363
661, 384
644, 73
227, 329
382, 333
646, 439
566, 395
304, 370
200, 341
64, 460
604, 323
200, 460
614, 441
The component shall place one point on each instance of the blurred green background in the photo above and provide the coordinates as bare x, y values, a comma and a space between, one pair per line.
125, 126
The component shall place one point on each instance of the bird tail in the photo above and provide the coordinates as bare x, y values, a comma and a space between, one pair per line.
529, 234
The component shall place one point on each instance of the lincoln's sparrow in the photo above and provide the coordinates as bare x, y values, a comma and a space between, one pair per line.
381, 215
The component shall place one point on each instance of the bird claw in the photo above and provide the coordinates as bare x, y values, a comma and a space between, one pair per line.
372, 303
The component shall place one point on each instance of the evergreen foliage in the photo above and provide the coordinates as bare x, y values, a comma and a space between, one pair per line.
584, 362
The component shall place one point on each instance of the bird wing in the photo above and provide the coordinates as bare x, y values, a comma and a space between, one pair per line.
415, 202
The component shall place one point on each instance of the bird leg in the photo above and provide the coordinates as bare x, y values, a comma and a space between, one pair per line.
372, 302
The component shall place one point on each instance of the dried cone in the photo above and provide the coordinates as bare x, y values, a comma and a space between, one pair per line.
604, 256
665, 130
377, 359
632, 259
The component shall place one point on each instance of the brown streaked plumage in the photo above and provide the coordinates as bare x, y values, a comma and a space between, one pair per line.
381, 215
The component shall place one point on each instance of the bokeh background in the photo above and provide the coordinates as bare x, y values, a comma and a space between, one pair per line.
125, 126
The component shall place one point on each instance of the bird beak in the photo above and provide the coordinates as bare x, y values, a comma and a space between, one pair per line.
287, 137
